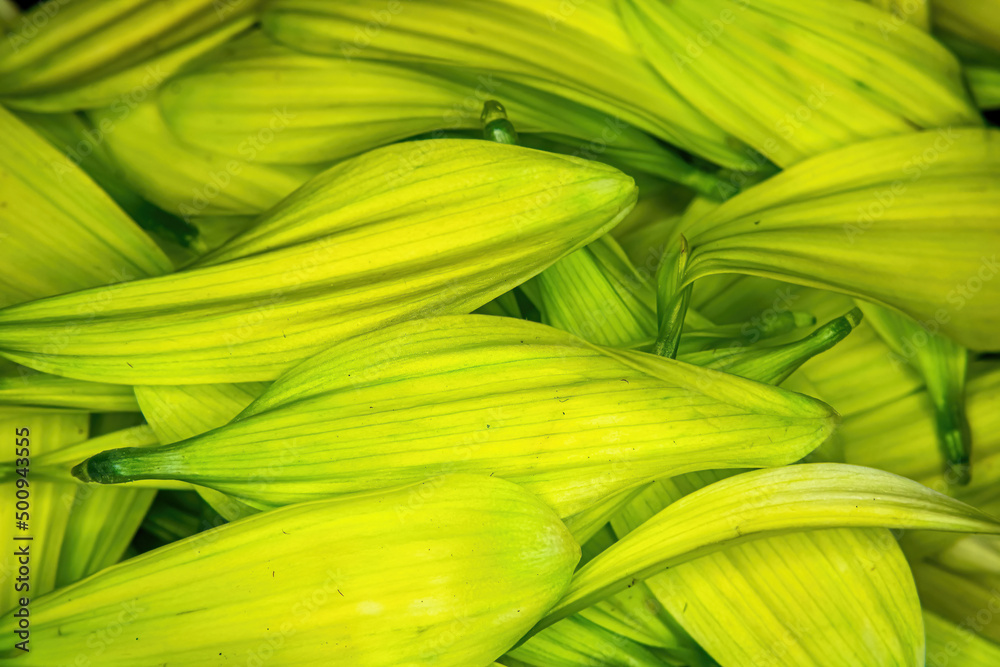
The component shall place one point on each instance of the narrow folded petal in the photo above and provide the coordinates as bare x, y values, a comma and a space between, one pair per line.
907, 222
796, 79
447, 572
318, 109
65, 56
98, 243
570, 421
581, 52
762, 502
188, 181
404, 231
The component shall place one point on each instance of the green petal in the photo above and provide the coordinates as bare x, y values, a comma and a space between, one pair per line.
84, 147
584, 525
672, 299
68, 56
98, 244
907, 223
781, 500
782, 599
823, 598
913, 449
47, 515
577, 642
973, 20
179, 412
403, 231
984, 81
959, 598
862, 375
584, 55
101, 525
450, 572
570, 421
332, 108
796, 80
914, 12
774, 363
637, 614
955, 644
942, 363
52, 391
187, 181
598, 295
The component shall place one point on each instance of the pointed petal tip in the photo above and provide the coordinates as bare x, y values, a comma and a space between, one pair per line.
80, 472
854, 317
103, 468
955, 447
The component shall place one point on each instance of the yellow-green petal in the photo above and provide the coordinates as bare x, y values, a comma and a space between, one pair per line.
795, 79
761, 502
63, 56
572, 422
191, 182
906, 222
97, 242
332, 108
583, 54
404, 231
449, 572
